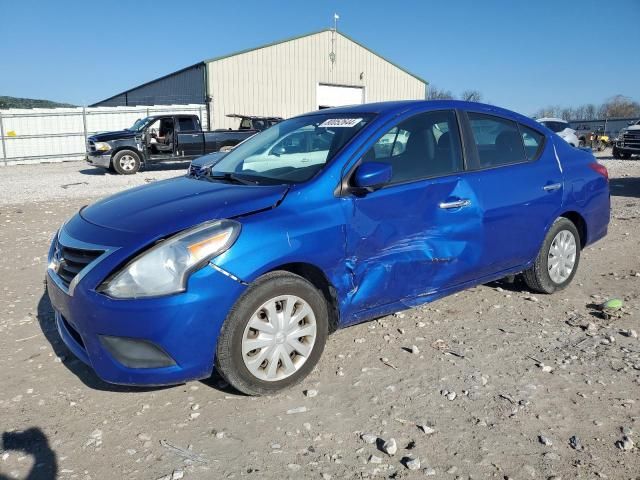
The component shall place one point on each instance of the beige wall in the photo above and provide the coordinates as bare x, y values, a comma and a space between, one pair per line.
282, 79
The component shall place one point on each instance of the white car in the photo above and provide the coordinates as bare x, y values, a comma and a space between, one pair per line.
562, 129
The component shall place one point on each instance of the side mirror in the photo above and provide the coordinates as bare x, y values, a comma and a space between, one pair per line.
372, 175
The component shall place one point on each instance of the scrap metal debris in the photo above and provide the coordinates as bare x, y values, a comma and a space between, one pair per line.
183, 452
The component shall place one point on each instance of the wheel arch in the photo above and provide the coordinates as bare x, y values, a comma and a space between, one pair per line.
133, 149
578, 220
318, 279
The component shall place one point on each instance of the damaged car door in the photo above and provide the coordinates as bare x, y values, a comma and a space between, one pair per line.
416, 233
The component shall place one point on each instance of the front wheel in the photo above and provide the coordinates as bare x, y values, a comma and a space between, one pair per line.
616, 153
557, 262
274, 335
126, 162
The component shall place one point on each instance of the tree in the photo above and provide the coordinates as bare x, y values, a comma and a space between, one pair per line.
589, 112
471, 96
567, 114
434, 93
619, 106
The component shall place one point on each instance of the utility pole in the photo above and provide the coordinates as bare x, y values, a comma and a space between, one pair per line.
332, 55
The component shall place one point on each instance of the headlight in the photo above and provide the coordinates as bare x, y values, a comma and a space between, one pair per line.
165, 268
102, 146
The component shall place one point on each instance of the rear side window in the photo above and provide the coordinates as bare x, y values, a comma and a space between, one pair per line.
532, 140
186, 124
425, 145
497, 139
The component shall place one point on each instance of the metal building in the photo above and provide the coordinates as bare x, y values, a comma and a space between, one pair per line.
287, 78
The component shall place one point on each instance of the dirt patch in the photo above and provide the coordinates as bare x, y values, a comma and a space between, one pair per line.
490, 382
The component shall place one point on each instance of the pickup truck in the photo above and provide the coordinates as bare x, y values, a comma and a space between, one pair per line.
166, 137
628, 142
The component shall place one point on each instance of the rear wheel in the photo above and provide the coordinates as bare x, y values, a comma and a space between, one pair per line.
126, 162
274, 335
557, 261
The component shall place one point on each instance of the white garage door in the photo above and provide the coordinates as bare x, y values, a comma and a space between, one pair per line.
337, 96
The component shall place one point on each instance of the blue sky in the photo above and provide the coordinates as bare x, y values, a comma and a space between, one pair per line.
520, 55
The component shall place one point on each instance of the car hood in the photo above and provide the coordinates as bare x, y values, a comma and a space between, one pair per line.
209, 159
106, 136
165, 207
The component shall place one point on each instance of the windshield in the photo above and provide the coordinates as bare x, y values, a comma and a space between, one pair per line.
140, 124
292, 151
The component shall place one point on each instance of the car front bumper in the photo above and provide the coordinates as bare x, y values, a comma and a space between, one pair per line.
627, 148
96, 160
179, 330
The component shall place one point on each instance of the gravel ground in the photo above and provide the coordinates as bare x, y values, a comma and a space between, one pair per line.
501, 384
69, 180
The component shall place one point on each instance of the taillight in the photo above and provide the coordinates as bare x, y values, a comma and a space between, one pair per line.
601, 169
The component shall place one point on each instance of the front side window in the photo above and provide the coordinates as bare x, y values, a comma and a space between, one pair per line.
425, 145
497, 139
292, 151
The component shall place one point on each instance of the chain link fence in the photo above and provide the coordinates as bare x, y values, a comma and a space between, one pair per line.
41, 135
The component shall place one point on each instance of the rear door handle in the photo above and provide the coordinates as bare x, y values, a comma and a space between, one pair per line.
455, 204
552, 187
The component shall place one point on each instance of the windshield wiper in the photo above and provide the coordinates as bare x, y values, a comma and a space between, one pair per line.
229, 177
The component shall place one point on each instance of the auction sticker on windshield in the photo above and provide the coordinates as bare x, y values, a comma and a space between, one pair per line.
340, 122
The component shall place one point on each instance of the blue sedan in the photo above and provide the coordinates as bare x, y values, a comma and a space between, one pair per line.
322, 221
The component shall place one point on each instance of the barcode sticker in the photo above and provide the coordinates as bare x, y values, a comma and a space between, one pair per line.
341, 122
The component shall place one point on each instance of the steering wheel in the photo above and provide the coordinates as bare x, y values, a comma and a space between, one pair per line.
153, 132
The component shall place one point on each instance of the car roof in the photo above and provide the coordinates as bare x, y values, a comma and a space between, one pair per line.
401, 106
551, 119
252, 117
173, 115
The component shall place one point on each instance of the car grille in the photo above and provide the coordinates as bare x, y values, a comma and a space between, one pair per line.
71, 261
631, 139
91, 146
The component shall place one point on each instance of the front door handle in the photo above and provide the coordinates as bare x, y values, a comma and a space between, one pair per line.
552, 187
455, 204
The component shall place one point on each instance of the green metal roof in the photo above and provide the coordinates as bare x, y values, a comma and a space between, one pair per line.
290, 39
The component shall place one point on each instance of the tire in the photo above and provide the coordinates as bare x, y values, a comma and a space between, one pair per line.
540, 278
616, 153
126, 162
625, 155
239, 366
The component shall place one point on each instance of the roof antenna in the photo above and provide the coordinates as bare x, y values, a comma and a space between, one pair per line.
332, 55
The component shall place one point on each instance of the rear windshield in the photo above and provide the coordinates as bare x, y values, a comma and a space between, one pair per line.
292, 151
555, 126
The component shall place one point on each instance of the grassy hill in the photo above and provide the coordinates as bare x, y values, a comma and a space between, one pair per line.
15, 102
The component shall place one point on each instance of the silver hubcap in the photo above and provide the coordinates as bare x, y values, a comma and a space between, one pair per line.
127, 162
562, 256
279, 338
